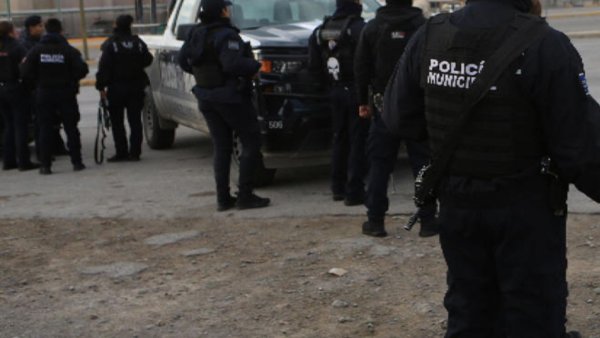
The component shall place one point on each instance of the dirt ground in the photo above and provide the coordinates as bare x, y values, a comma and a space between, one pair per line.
241, 278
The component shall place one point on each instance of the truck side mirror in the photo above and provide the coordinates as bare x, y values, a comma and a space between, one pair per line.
183, 31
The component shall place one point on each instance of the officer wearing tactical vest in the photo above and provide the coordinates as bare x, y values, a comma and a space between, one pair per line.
122, 80
224, 66
381, 44
55, 68
503, 100
331, 53
15, 152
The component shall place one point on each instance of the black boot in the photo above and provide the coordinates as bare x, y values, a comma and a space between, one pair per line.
28, 166
78, 167
9, 166
45, 171
338, 197
354, 201
429, 227
251, 202
227, 204
374, 229
573, 334
118, 158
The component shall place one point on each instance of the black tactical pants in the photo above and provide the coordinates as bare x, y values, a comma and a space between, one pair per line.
49, 102
121, 98
349, 159
58, 143
506, 260
224, 121
13, 108
382, 152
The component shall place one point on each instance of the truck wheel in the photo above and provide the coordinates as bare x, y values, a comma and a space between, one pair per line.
156, 137
263, 176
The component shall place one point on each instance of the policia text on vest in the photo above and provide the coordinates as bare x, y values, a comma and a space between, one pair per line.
452, 74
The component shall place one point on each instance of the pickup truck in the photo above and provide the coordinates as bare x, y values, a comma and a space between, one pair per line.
293, 110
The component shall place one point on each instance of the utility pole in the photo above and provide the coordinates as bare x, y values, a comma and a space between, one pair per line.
8, 9
59, 8
139, 11
153, 11
86, 53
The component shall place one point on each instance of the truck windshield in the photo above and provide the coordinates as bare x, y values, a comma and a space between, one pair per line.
248, 14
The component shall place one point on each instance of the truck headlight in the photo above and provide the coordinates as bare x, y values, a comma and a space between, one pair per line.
286, 67
280, 67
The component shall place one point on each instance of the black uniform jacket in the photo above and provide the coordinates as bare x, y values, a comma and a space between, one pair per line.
124, 57
553, 78
53, 63
11, 55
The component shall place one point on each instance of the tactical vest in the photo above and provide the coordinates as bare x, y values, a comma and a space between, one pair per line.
8, 68
337, 49
207, 70
503, 135
128, 50
392, 38
55, 66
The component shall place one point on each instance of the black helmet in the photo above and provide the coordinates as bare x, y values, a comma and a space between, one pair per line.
212, 8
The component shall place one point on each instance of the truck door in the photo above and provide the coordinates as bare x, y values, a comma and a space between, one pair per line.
177, 101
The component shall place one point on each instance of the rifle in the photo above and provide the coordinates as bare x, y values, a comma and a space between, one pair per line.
101, 131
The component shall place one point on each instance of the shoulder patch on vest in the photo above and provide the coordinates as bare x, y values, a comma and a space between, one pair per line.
398, 35
584, 84
233, 45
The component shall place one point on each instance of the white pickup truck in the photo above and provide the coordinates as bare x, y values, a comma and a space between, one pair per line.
293, 113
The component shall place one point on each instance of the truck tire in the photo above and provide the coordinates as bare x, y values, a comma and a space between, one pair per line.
263, 176
156, 137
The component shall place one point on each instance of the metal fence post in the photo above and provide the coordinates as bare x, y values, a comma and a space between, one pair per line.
59, 8
8, 9
153, 11
84, 30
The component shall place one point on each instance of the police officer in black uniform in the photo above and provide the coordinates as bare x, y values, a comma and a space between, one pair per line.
223, 66
503, 222
31, 36
33, 31
380, 46
331, 53
15, 152
55, 67
121, 79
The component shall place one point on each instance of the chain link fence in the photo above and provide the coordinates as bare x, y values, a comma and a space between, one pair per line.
99, 20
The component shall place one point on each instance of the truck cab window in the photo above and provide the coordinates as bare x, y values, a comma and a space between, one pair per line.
248, 14
187, 13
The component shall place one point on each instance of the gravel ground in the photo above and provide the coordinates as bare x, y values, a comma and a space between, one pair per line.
226, 277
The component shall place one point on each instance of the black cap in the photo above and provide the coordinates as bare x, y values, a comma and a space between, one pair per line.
33, 20
124, 22
53, 26
212, 8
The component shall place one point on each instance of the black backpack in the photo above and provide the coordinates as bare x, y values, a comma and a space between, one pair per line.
335, 41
